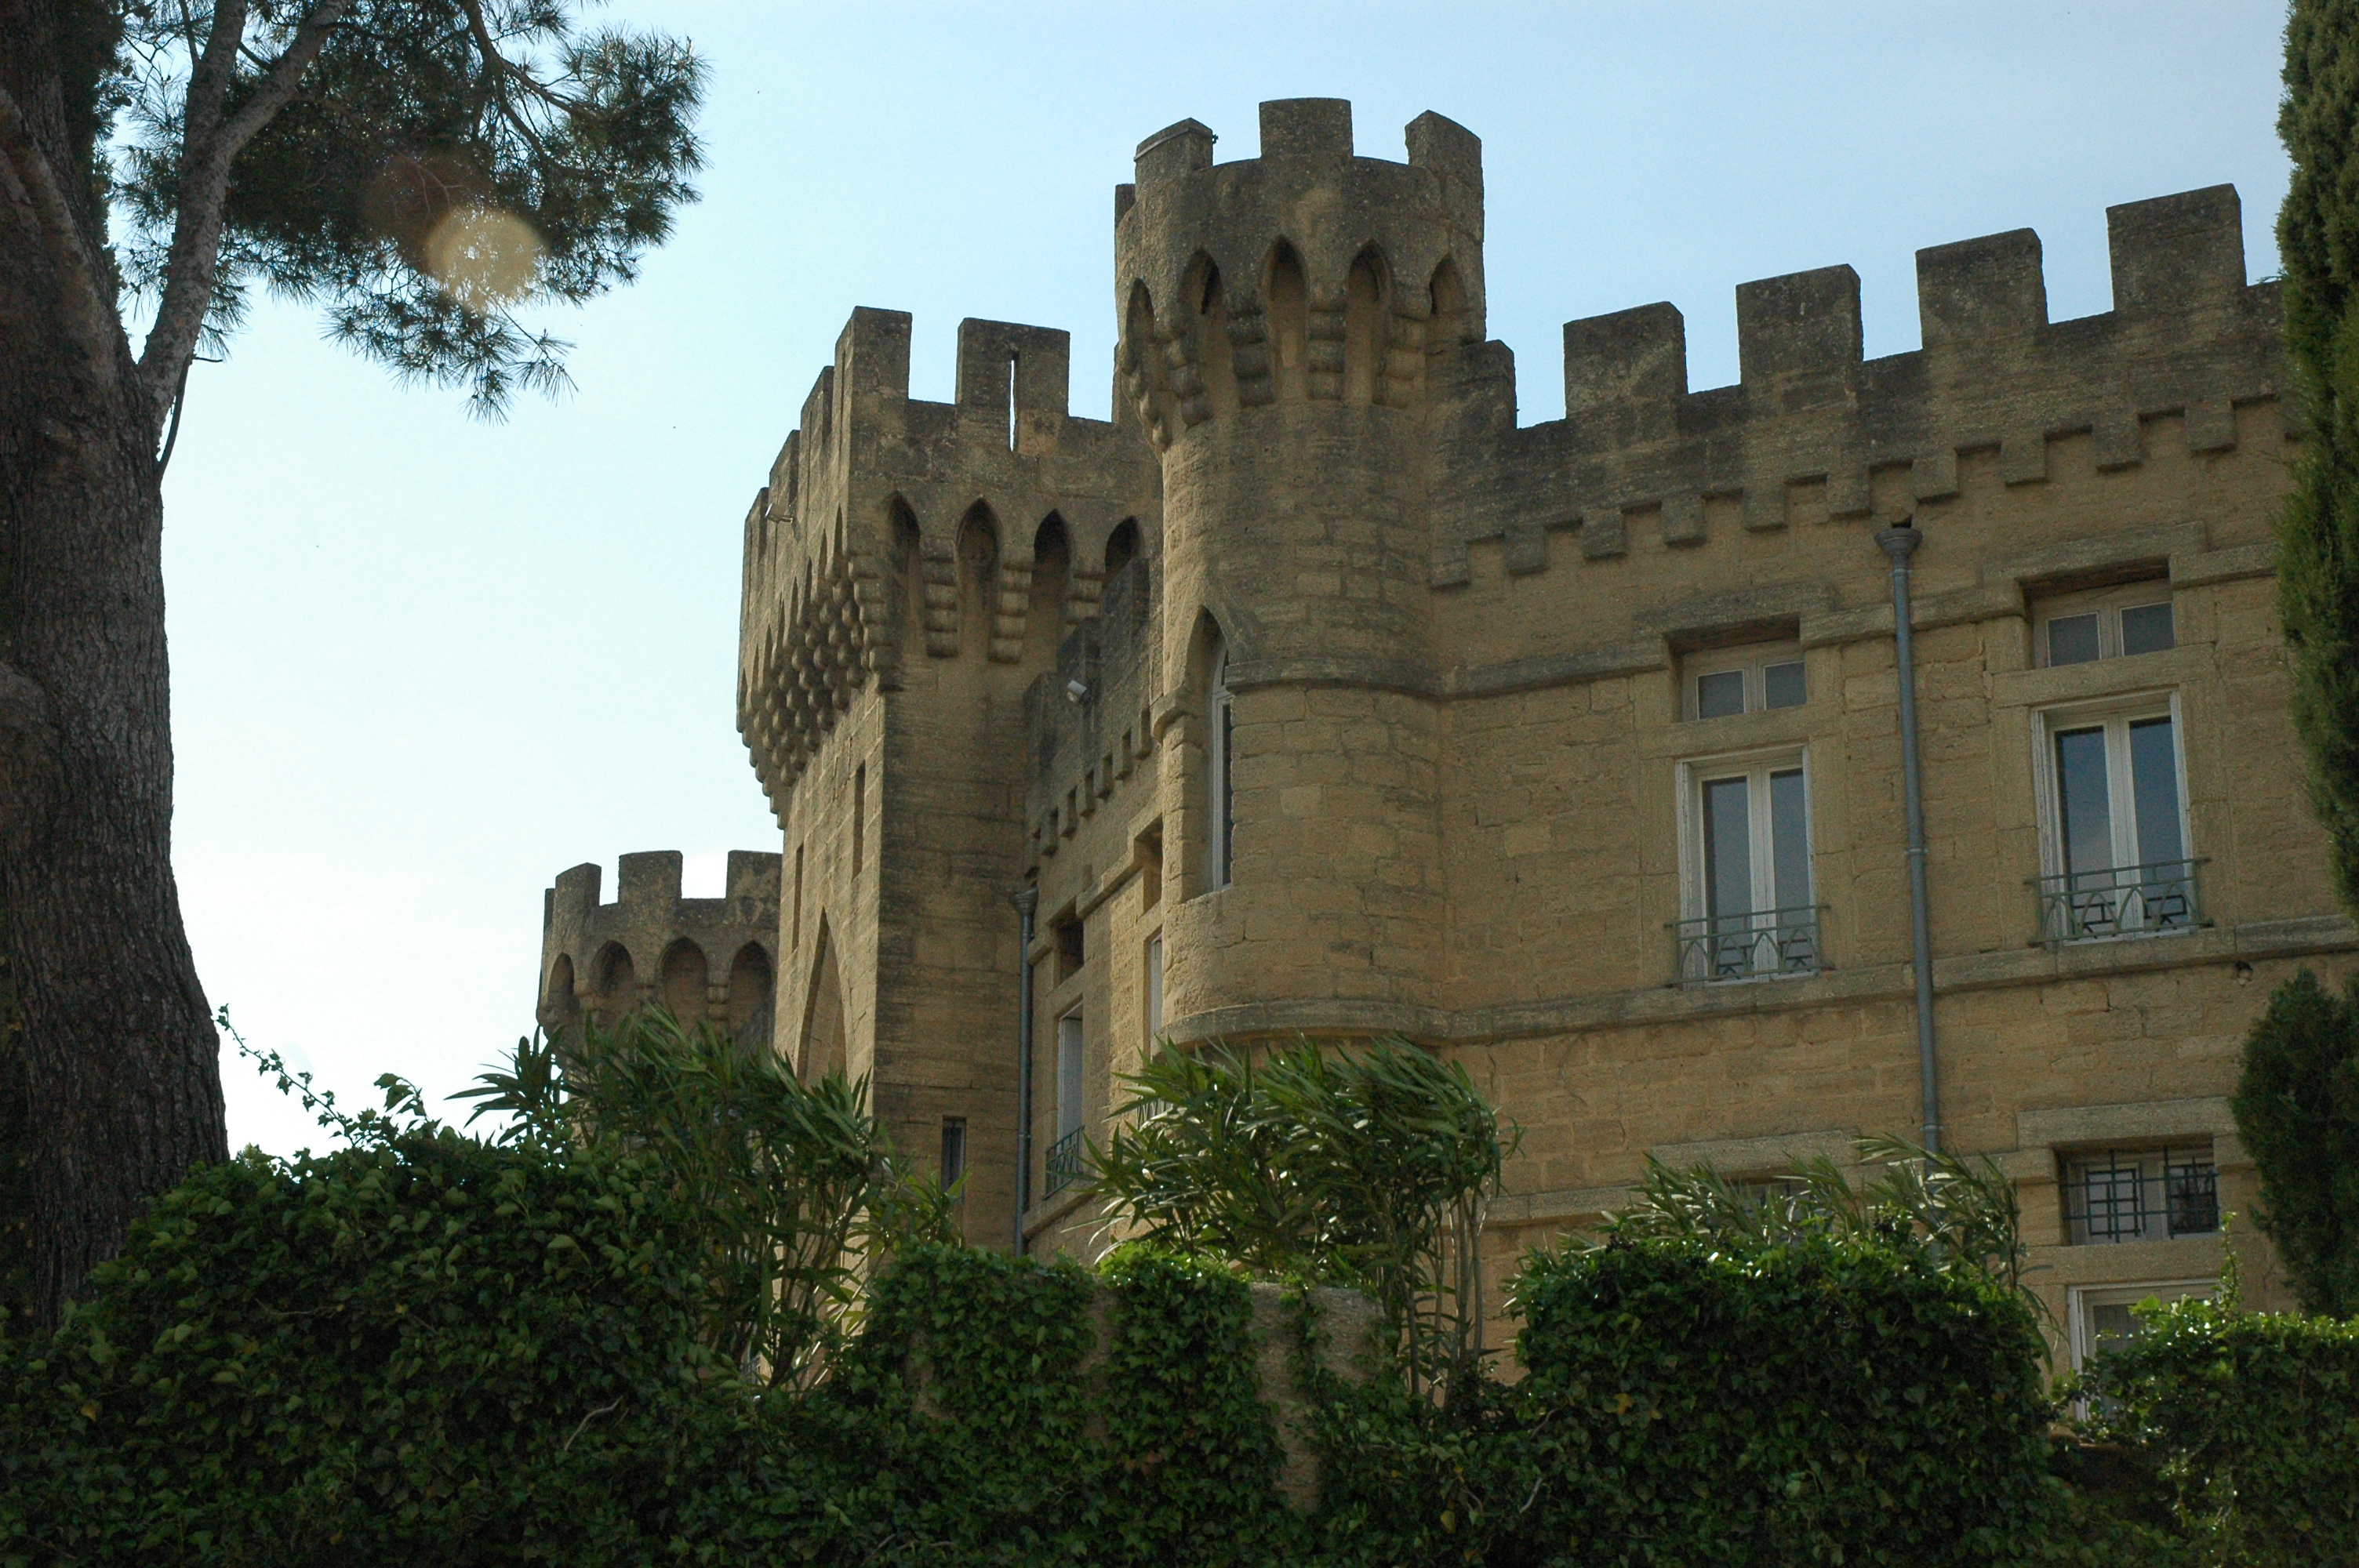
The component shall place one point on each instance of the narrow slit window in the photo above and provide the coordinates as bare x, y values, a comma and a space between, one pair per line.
953, 1165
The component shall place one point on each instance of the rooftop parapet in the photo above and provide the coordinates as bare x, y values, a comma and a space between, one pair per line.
2187, 337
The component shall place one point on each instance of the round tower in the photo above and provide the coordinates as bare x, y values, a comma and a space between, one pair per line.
1291, 332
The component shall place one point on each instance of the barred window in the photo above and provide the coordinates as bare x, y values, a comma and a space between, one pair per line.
2141, 1194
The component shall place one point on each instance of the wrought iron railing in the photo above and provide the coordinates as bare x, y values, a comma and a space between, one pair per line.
2127, 901
1748, 946
1066, 1164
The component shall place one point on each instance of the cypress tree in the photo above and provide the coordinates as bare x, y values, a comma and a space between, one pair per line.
2296, 1106
2318, 548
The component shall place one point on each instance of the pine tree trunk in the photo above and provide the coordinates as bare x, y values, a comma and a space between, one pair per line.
119, 1057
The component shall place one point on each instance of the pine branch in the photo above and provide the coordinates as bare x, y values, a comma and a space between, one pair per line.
210, 147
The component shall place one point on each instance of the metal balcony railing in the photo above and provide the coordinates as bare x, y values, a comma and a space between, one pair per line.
2127, 901
1748, 946
1065, 1165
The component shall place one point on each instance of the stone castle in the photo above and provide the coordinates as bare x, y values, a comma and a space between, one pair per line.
1315, 693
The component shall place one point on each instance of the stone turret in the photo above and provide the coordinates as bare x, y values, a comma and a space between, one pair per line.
706, 959
1292, 336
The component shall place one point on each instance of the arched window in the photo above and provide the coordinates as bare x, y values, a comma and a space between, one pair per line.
1044, 624
684, 980
749, 995
1122, 547
1288, 296
978, 554
1364, 297
1220, 789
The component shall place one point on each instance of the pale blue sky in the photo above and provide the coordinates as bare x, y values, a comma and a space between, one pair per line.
422, 664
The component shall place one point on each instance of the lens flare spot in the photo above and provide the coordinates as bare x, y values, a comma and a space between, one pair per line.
482, 257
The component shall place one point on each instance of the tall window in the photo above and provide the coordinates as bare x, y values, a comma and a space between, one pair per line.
1220, 791
954, 1148
2116, 829
1154, 986
1064, 1163
2102, 1318
1747, 841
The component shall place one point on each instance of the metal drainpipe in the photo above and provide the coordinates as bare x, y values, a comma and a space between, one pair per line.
1027, 905
1899, 544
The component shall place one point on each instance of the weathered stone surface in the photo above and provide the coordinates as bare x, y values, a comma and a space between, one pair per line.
986, 632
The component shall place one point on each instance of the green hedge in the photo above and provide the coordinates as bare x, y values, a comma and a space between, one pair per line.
434, 1350
2249, 1422
430, 1346
1819, 1403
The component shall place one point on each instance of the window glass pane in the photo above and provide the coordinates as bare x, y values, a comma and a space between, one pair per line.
1154, 987
1718, 696
1727, 848
1785, 684
2154, 785
2147, 629
1068, 1074
2072, 639
2085, 824
1789, 840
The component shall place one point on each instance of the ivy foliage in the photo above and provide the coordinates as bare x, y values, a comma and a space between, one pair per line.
2297, 1110
2248, 1423
425, 1345
2318, 536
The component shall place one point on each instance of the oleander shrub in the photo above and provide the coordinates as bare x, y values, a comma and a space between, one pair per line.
2249, 1424
1825, 1400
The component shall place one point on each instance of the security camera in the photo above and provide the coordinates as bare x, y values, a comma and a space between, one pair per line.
1075, 691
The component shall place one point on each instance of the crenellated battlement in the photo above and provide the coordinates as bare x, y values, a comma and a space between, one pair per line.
702, 957
2187, 338
1235, 297
853, 549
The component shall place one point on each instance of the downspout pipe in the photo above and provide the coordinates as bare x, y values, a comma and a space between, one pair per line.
1028, 906
1899, 544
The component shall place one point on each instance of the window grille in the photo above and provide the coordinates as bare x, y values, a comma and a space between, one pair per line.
2147, 1194
1065, 1163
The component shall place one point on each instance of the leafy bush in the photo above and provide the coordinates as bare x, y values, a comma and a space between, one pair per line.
1371, 1169
424, 1345
2249, 1422
1010, 1439
1952, 1212
1826, 1401
2297, 1108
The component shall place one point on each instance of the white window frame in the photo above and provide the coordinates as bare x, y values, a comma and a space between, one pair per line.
1754, 659
2079, 1299
2106, 604
2116, 714
1220, 791
1693, 774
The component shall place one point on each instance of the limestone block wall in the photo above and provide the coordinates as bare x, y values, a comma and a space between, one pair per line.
1457, 655
704, 958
